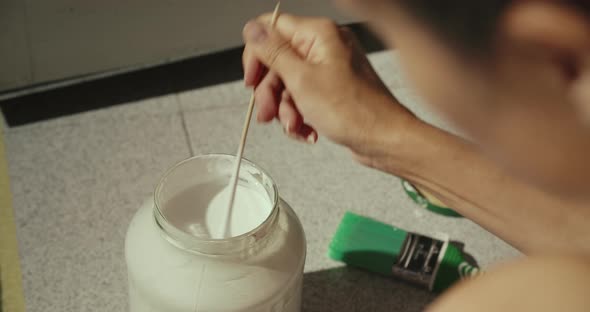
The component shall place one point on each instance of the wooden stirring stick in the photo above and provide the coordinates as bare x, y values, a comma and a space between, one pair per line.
236, 173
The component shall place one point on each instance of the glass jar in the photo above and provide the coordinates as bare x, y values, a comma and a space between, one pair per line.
175, 265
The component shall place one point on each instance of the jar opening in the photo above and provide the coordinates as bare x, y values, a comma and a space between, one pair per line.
192, 198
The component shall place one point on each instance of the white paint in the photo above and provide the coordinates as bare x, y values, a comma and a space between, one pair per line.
250, 210
201, 210
266, 276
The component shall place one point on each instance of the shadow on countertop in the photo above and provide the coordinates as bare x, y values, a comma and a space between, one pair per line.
346, 289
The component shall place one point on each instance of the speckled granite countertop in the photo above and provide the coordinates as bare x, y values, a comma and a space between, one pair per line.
78, 180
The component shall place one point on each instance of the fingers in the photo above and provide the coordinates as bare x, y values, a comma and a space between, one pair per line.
274, 60
253, 69
268, 97
288, 114
286, 47
292, 121
273, 51
287, 28
289, 25
286, 24
307, 133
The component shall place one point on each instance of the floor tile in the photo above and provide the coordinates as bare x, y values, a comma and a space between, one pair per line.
76, 184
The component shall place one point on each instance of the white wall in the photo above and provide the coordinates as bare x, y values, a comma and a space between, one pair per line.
48, 40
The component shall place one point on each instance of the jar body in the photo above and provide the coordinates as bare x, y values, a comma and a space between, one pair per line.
165, 278
264, 276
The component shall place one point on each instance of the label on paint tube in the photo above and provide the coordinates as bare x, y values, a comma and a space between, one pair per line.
419, 260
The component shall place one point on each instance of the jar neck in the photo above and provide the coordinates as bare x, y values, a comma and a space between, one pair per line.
240, 245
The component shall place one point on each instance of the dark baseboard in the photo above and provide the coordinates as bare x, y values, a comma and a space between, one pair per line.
197, 72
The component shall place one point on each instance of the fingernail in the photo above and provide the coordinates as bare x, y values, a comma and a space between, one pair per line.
255, 32
312, 138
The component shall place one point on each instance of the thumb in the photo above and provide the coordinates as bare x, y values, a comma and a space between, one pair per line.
273, 51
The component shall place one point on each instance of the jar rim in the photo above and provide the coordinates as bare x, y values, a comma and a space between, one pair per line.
217, 246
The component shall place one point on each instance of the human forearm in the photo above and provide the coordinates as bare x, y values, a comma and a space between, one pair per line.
455, 171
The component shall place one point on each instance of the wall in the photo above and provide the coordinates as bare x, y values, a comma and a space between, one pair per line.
43, 41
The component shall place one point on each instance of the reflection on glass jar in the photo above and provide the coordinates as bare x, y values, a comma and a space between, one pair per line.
178, 261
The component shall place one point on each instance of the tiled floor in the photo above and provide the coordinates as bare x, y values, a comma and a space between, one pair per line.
78, 180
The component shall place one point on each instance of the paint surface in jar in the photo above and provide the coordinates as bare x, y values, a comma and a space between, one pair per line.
200, 210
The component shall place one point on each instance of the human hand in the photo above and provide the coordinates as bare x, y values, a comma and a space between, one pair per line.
314, 77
